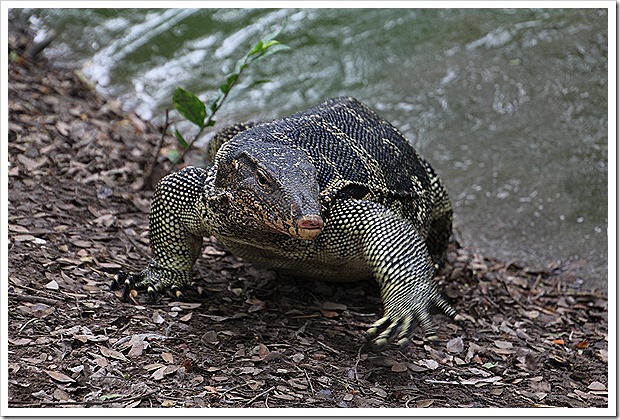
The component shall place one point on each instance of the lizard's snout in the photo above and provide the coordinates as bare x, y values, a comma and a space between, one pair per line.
309, 226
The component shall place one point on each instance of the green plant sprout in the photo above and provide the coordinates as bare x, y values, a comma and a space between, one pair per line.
200, 113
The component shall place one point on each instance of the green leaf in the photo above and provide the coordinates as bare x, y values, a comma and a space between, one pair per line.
182, 142
173, 155
201, 113
231, 79
189, 106
215, 104
270, 44
256, 49
260, 82
273, 49
110, 397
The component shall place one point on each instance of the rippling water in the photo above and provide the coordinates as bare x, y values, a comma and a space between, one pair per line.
509, 105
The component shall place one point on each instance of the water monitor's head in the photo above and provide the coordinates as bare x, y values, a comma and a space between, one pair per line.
272, 188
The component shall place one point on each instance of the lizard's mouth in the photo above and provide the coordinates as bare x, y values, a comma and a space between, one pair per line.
309, 226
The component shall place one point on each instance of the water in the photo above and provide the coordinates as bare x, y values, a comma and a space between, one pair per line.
509, 105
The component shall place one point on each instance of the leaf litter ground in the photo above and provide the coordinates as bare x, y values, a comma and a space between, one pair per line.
78, 212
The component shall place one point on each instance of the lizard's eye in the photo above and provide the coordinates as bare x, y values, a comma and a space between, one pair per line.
262, 178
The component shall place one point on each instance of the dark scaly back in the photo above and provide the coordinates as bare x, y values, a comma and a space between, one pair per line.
349, 142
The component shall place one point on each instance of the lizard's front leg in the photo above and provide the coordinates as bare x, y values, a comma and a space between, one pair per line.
176, 230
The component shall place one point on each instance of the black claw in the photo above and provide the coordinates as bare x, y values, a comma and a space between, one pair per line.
403, 343
378, 345
433, 338
118, 279
126, 292
177, 293
123, 280
371, 333
152, 294
461, 324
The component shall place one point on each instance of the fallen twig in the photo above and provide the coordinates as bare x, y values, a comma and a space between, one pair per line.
33, 299
149, 169
260, 395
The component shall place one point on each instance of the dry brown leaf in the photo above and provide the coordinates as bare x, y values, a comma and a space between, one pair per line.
18, 228
190, 305
455, 345
109, 265
153, 366
186, 318
159, 373
597, 386
171, 369
503, 344
61, 395
112, 353
106, 220
52, 285
23, 238
379, 391
298, 383
582, 344
101, 361
496, 391
272, 355
399, 367
329, 314
81, 338
531, 314
41, 310
257, 307
286, 397
254, 384
157, 318
213, 252
20, 341
253, 301
81, 243
138, 343
168, 358
429, 363
503, 351
263, 350
31, 164
210, 337
424, 403
479, 372
60, 377
333, 306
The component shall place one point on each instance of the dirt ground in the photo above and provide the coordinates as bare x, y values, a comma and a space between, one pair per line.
78, 212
